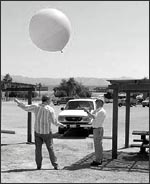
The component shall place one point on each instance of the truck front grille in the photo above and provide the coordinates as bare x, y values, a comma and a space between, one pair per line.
73, 118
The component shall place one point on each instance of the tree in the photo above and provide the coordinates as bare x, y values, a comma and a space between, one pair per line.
6, 83
71, 88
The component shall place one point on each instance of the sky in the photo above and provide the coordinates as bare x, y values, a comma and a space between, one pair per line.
109, 39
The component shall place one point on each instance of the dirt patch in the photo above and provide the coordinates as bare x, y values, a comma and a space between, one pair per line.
74, 157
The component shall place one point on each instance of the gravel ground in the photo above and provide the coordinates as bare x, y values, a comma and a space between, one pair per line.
74, 153
74, 157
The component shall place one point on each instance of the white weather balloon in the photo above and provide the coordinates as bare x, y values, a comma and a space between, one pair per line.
50, 29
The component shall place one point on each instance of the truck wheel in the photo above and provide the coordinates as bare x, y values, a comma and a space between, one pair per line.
61, 130
91, 131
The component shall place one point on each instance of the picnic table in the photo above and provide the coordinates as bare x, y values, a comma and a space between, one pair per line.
144, 141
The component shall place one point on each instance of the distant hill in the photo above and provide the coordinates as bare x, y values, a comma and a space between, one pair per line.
56, 81
52, 82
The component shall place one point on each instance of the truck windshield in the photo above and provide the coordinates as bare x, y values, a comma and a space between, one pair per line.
77, 105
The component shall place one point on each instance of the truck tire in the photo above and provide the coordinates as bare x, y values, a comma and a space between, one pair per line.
61, 130
90, 130
119, 104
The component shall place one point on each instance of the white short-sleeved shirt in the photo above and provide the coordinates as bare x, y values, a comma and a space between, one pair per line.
100, 118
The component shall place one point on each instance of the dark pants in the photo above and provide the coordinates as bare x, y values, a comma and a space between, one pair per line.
48, 140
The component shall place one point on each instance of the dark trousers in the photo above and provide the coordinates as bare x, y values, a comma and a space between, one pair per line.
48, 140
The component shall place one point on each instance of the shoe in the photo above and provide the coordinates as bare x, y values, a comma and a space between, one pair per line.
56, 167
94, 163
38, 167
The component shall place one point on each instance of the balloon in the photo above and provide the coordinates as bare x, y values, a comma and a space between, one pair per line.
50, 29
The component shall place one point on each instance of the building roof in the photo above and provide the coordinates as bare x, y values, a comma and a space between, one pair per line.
130, 85
16, 86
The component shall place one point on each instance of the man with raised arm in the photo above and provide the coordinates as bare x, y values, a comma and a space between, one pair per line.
44, 117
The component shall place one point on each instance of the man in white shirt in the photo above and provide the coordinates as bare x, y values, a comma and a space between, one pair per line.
98, 116
44, 116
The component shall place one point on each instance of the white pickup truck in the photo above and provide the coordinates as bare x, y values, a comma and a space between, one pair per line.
74, 116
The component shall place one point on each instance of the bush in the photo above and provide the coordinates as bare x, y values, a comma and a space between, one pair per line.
71, 88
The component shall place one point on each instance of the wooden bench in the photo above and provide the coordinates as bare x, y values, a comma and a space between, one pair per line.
138, 132
145, 142
8, 131
139, 145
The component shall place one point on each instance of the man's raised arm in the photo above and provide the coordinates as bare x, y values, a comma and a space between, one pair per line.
29, 108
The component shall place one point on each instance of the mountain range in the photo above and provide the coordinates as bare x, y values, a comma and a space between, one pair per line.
86, 81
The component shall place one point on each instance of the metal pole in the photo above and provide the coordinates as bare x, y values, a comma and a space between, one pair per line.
29, 126
127, 120
115, 124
